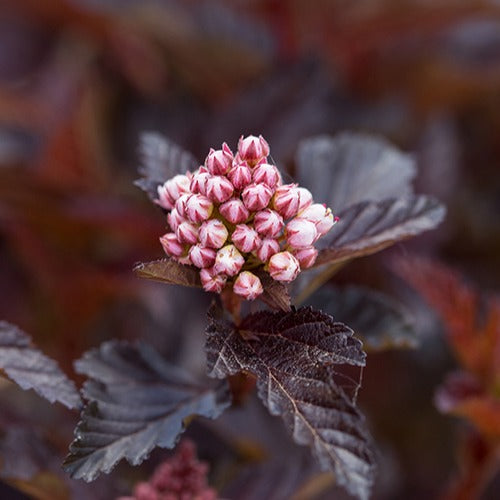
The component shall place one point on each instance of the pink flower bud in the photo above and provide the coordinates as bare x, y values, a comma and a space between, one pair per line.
248, 286
321, 216
256, 196
234, 211
306, 256
219, 189
240, 176
198, 208
174, 219
187, 232
252, 149
178, 185
267, 249
219, 162
228, 261
164, 199
266, 174
199, 180
245, 238
172, 246
283, 266
286, 200
213, 233
180, 204
202, 257
268, 223
300, 233
305, 198
212, 281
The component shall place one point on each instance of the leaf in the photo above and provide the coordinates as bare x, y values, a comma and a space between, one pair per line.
381, 322
302, 360
275, 293
352, 168
369, 227
170, 272
136, 401
161, 159
31, 369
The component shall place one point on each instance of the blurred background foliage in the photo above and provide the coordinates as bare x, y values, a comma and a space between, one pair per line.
81, 79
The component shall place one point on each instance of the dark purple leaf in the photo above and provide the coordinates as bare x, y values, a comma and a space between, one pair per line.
369, 227
31, 369
380, 321
136, 401
161, 159
351, 168
170, 272
303, 361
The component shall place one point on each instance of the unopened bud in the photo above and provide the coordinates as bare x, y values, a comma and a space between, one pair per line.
252, 149
199, 180
187, 232
219, 162
268, 223
256, 196
306, 256
202, 257
283, 266
268, 247
248, 286
300, 233
198, 208
305, 198
178, 185
234, 211
240, 176
180, 204
164, 199
219, 189
174, 219
212, 281
213, 233
245, 238
321, 216
266, 174
171, 245
228, 261
286, 200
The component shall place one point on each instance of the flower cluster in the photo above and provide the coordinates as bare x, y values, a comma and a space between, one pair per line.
234, 215
181, 477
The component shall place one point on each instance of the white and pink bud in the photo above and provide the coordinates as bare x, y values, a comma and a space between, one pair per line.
248, 286
219, 188
212, 281
300, 233
268, 247
253, 149
199, 208
305, 198
240, 176
245, 238
187, 232
234, 211
180, 204
219, 162
199, 180
202, 257
171, 245
213, 233
264, 173
178, 185
283, 266
268, 223
256, 196
306, 256
174, 219
321, 216
229, 261
286, 200
164, 199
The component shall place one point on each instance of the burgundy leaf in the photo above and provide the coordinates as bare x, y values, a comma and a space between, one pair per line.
369, 227
302, 360
350, 168
136, 401
31, 369
168, 271
161, 159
